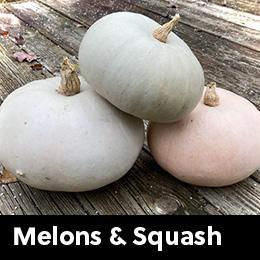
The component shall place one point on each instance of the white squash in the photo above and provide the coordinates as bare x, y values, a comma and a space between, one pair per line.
70, 142
144, 70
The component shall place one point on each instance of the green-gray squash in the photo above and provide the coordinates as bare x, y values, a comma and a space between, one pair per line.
141, 67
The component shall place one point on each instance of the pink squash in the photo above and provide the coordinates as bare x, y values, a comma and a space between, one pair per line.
218, 144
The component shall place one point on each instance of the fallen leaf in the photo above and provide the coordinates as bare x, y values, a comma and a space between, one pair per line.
20, 56
23, 56
5, 176
18, 39
37, 66
4, 33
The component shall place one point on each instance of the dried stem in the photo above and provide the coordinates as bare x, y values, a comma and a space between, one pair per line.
70, 83
162, 32
211, 97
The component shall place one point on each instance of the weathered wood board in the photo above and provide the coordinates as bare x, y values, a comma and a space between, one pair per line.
251, 6
225, 40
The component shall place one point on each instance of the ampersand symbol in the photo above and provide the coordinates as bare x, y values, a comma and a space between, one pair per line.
115, 239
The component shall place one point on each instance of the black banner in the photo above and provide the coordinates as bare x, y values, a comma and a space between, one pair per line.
157, 235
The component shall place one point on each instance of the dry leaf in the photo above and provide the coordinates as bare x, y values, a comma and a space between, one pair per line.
20, 56
23, 56
7, 177
4, 33
18, 39
37, 66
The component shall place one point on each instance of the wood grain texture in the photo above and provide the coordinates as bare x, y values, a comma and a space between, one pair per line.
22, 200
251, 6
256, 176
56, 30
238, 199
14, 74
88, 11
240, 18
225, 23
59, 29
49, 54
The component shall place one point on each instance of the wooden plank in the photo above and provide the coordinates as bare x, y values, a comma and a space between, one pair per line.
40, 200
119, 194
230, 25
8, 202
14, 74
86, 204
104, 203
49, 54
59, 29
79, 9
158, 6
238, 199
88, 11
251, 6
25, 203
67, 203
256, 176
226, 23
240, 18
34, 202
167, 7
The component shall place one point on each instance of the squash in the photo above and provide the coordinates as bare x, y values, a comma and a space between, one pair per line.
141, 67
218, 144
66, 140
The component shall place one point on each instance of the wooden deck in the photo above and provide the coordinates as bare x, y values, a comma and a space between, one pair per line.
226, 40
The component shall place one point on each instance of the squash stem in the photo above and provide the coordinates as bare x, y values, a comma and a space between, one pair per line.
162, 32
211, 97
70, 82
